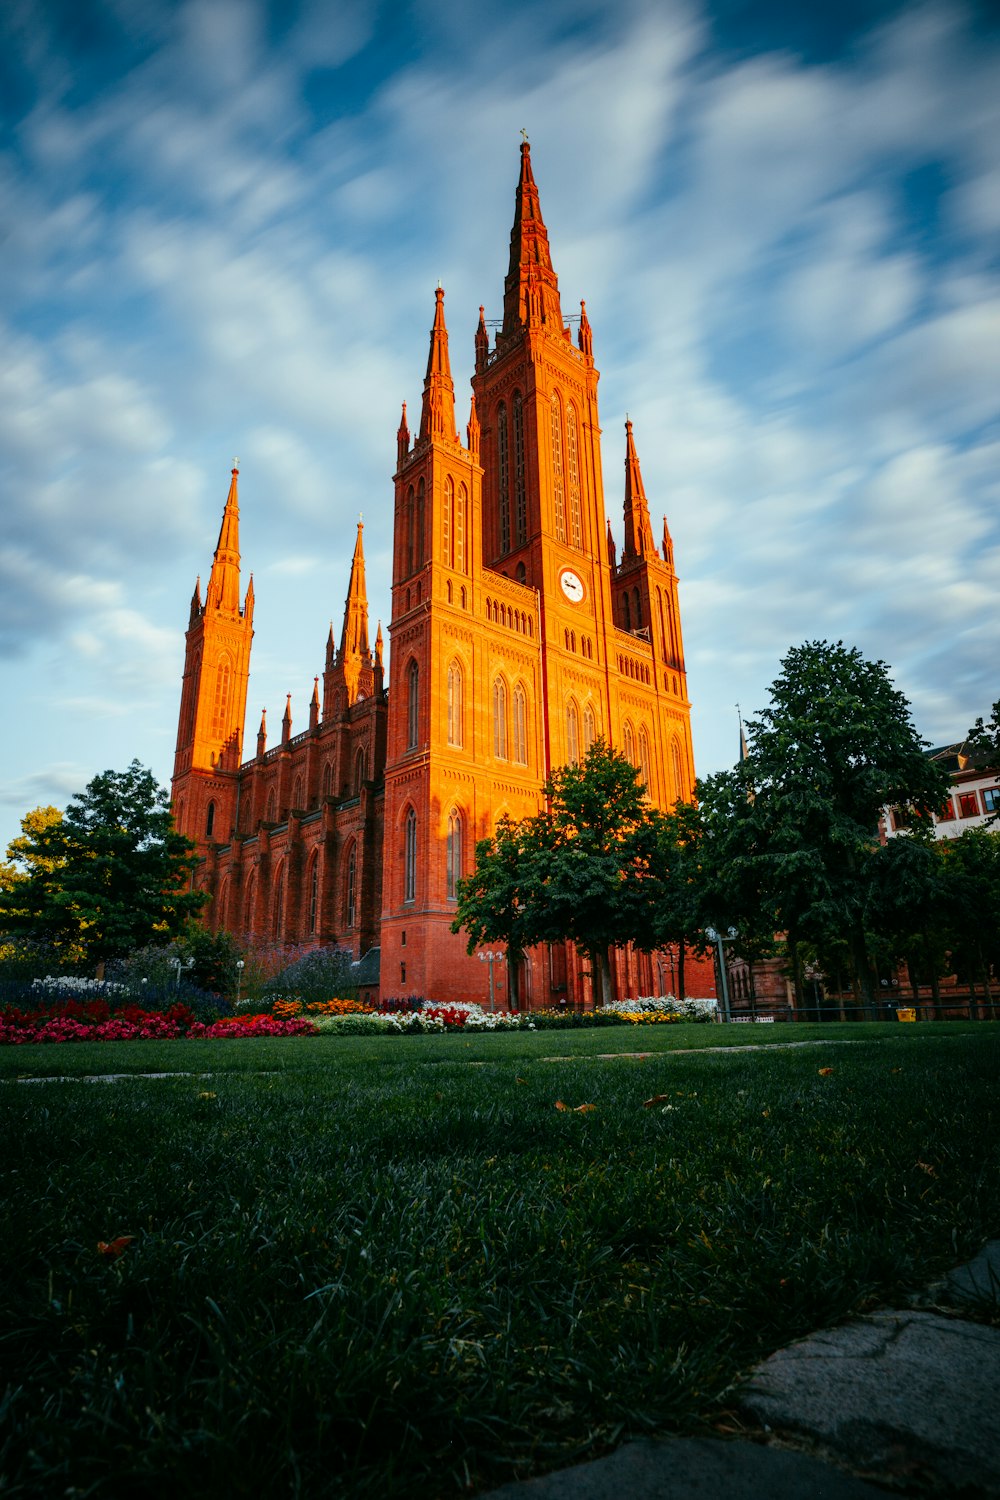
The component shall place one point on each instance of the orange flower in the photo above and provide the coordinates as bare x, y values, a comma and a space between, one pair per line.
112, 1250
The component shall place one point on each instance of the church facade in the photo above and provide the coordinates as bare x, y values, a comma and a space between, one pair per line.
518, 636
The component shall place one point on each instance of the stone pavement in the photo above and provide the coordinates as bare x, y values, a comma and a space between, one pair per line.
906, 1401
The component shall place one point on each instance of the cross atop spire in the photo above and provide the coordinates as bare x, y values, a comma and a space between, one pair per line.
638, 531
437, 413
531, 290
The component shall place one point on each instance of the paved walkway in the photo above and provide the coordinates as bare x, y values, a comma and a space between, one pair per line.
905, 1400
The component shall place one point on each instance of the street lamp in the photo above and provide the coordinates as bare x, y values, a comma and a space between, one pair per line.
491, 958
239, 976
719, 940
179, 964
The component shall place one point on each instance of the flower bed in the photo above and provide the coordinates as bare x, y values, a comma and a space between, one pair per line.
93, 1021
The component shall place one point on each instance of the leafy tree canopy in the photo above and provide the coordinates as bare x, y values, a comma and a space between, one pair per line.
111, 874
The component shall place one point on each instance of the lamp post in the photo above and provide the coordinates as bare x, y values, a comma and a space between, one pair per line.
719, 941
179, 964
239, 976
491, 958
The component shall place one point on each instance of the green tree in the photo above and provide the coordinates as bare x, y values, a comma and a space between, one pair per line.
23, 853
835, 746
573, 872
110, 875
972, 899
674, 883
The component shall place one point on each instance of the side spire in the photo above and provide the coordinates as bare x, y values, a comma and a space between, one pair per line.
531, 290
437, 411
402, 438
638, 531
223, 591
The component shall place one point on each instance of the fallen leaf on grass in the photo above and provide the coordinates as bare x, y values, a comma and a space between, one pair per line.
825, 1072
520, 1080
656, 1099
576, 1109
926, 1167
206, 1095
111, 1250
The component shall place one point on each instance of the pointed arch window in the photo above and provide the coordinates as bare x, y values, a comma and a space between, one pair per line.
626, 612
675, 760
500, 719
412, 705
279, 901
573, 467
558, 485
297, 792
461, 522
455, 705
454, 853
448, 523
628, 743
314, 894
419, 540
248, 906
223, 687
327, 779
520, 492
589, 728
410, 857
645, 764
360, 770
638, 609
410, 506
503, 476
221, 903
572, 734
210, 820
520, 726
351, 888
269, 809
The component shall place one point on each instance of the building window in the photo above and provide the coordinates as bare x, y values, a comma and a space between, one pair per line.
419, 543
520, 493
412, 705
327, 778
297, 792
572, 735
968, 805
455, 705
220, 710
499, 719
589, 728
675, 757
210, 820
454, 853
645, 770
991, 800
628, 744
520, 726
351, 903
248, 912
410, 857
503, 476
461, 521
572, 453
409, 536
314, 894
558, 490
220, 905
269, 809
626, 615
279, 901
448, 523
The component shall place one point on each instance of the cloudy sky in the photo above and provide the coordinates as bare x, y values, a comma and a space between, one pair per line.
221, 226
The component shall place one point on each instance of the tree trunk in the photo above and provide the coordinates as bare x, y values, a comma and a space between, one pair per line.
600, 972
514, 978
680, 970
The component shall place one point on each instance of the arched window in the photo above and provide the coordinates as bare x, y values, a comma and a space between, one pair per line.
410, 857
455, 705
589, 728
314, 894
572, 733
410, 506
351, 888
675, 758
179, 816
454, 853
520, 573
412, 705
279, 901
628, 743
461, 522
500, 719
360, 770
520, 726
448, 523
269, 809
297, 792
558, 486
626, 613
223, 686
503, 476
573, 465
418, 546
210, 820
220, 904
248, 905
520, 493
327, 778
638, 609
645, 767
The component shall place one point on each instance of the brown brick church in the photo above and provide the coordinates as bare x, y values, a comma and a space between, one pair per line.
518, 637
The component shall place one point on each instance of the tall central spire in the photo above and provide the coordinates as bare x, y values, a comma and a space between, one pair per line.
638, 530
437, 413
354, 638
223, 590
531, 290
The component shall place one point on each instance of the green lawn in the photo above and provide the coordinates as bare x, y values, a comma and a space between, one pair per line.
391, 1267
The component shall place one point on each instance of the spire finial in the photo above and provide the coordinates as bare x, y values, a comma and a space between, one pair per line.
524, 136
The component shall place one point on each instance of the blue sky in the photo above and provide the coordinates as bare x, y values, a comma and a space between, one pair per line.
221, 226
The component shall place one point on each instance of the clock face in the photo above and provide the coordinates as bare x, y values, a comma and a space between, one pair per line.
571, 585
